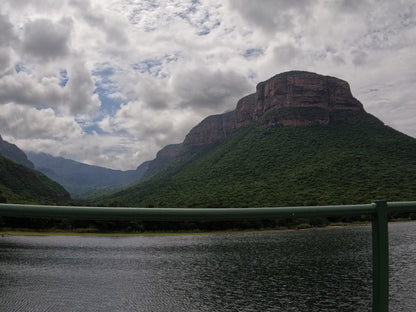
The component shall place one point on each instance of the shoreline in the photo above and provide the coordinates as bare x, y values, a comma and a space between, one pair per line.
184, 233
23, 232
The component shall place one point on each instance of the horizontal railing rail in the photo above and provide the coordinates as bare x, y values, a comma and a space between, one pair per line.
181, 214
379, 211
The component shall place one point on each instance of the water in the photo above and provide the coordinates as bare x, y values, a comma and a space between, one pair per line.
316, 270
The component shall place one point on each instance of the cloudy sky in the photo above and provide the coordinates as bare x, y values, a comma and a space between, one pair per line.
110, 82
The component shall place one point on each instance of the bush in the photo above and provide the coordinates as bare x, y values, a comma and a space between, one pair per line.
303, 226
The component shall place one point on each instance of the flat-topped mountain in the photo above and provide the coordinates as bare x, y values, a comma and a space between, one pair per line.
294, 98
301, 139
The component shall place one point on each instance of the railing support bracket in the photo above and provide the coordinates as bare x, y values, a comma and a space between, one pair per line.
380, 257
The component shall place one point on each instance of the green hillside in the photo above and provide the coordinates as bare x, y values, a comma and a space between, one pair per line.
347, 163
19, 184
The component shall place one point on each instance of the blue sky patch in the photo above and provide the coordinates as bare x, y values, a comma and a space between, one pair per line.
154, 66
253, 53
105, 87
21, 67
63, 77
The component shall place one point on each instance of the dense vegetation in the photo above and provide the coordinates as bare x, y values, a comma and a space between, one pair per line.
19, 184
347, 163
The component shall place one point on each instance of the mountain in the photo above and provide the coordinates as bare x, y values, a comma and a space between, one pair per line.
295, 98
79, 178
12, 152
19, 184
301, 139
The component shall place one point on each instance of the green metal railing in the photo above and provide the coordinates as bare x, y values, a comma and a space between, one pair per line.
379, 211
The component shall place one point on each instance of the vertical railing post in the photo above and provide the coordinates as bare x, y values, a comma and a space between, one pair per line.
380, 258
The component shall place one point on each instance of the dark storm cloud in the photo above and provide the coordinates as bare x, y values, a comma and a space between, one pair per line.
351, 6
7, 34
359, 57
4, 61
272, 15
45, 40
205, 89
286, 53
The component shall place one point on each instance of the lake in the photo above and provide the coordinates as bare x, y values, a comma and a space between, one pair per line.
313, 270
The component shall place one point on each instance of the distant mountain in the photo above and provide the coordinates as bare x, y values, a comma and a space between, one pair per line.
79, 178
301, 139
19, 184
12, 152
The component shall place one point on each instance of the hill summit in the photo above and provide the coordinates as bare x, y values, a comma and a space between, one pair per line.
295, 98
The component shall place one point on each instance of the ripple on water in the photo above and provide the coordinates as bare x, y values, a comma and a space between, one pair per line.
317, 270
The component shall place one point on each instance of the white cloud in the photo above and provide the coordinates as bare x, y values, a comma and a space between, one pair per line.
24, 88
22, 122
80, 97
77, 97
142, 123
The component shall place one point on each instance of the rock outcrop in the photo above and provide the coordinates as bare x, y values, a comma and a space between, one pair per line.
244, 113
295, 98
212, 129
171, 150
302, 99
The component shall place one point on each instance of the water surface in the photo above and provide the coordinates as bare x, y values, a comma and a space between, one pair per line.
314, 270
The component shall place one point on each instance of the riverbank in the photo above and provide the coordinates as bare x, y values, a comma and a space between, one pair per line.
80, 232
27, 232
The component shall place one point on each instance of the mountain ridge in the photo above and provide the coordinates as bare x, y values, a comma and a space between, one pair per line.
19, 184
12, 152
79, 178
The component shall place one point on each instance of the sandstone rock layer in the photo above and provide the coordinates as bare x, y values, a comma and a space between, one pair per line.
295, 98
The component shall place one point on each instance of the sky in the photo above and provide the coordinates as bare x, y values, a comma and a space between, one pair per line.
110, 83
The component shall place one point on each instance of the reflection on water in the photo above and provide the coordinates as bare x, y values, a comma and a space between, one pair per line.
316, 270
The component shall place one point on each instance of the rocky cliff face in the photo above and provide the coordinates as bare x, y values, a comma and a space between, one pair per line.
244, 112
171, 150
302, 99
211, 130
295, 98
